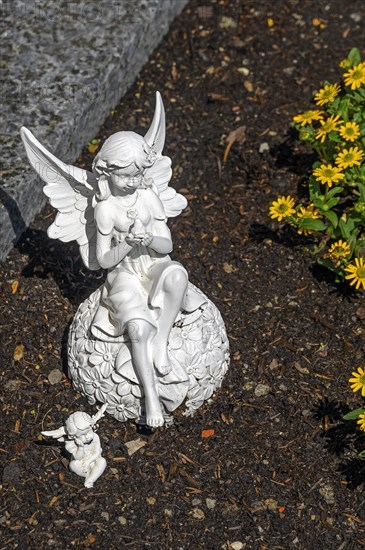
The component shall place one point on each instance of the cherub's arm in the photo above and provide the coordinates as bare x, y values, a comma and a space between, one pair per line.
107, 255
76, 451
95, 449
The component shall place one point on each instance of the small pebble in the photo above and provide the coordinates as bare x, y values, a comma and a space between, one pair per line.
356, 17
244, 70
198, 513
55, 377
210, 502
328, 493
11, 472
264, 147
168, 512
151, 501
227, 23
122, 520
196, 502
105, 515
237, 545
261, 390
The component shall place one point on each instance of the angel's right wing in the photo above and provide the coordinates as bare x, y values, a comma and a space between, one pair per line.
160, 172
71, 191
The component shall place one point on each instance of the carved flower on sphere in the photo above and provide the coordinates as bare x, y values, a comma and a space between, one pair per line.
123, 408
103, 358
95, 386
186, 337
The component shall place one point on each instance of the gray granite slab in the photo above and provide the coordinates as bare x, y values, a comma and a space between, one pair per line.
64, 65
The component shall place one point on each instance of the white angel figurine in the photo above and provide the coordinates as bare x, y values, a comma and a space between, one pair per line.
83, 444
118, 215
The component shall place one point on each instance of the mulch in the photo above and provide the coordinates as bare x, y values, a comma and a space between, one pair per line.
280, 468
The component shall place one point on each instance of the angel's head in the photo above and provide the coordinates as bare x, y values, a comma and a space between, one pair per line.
121, 163
79, 427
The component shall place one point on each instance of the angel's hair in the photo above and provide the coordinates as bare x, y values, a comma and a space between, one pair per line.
126, 151
79, 421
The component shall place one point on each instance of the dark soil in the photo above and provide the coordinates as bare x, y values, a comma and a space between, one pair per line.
281, 469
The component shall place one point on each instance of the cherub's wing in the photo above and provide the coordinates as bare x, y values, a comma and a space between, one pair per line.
71, 191
160, 171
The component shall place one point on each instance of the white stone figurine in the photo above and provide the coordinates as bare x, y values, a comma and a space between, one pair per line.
83, 444
147, 339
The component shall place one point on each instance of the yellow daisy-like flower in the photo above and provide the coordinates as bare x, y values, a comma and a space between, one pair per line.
330, 125
338, 250
309, 212
357, 382
282, 208
350, 131
328, 174
349, 157
327, 94
357, 274
361, 421
308, 117
355, 77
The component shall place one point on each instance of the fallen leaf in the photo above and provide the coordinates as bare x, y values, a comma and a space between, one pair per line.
14, 286
228, 268
18, 352
238, 135
135, 445
281, 509
90, 539
93, 146
207, 433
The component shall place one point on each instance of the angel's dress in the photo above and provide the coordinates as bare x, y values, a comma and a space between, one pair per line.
134, 288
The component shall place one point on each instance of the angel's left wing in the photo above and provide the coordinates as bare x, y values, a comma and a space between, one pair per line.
71, 191
160, 171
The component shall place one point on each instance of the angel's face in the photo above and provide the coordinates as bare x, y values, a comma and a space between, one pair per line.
124, 181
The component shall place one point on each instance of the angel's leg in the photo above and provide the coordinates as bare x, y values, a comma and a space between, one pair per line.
174, 288
95, 471
141, 334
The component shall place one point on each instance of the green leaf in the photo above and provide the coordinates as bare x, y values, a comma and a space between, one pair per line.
335, 137
332, 217
345, 232
332, 202
334, 191
313, 225
354, 56
362, 454
353, 415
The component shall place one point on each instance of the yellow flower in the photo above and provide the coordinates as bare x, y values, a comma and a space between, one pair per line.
327, 94
338, 250
349, 157
358, 381
357, 273
308, 117
328, 126
309, 212
355, 76
329, 174
361, 421
282, 208
350, 131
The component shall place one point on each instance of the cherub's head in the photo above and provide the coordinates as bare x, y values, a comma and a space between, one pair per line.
79, 427
121, 162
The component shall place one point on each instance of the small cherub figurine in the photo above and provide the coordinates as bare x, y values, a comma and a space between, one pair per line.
83, 444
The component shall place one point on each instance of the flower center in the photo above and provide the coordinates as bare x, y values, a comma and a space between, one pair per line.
328, 173
360, 272
357, 74
362, 379
283, 208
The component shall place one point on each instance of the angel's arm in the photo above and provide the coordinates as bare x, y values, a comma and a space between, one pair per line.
108, 255
161, 236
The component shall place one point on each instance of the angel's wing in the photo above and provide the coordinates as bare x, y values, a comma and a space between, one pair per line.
160, 171
70, 190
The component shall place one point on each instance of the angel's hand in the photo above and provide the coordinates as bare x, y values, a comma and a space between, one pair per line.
133, 240
147, 239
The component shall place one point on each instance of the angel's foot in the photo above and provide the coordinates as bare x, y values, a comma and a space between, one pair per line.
89, 484
161, 358
154, 416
